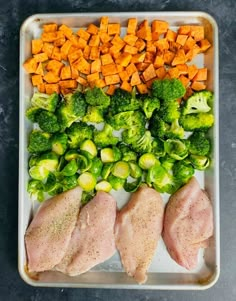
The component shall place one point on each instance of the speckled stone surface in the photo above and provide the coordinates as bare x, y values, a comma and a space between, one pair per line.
12, 14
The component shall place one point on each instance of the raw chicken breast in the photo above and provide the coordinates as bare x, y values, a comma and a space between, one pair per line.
49, 233
188, 224
138, 228
93, 239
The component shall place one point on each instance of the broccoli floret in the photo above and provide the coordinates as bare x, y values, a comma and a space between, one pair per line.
94, 114
32, 113
131, 135
149, 104
97, 97
198, 103
143, 144
158, 147
175, 130
157, 126
122, 101
48, 122
39, 142
127, 120
199, 144
78, 132
45, 101
168, 89
127, 154
169, 111
105, 137
71, 109
200, 121
59, 143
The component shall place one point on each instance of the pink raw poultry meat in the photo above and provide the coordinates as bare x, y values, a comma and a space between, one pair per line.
138, 229
49, 233
188, 224
93, 240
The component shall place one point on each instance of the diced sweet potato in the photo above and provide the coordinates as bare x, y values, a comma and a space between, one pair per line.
161, 72
65, 72
36, 80
59, 42
93, 77
36, 46
130, 69
48, 48
104, 37
81, 80
184, 80
179, 58
190, 42
104, 23
174, 47
124, 75
39, 69
184, 29
92, 29
83, 34
54, 66
72, 57
145, 33
124, 59
171, 35
168, 57
130, 49
173, 72
198, 86
192, 71
41, 57
117, 40
52, 27
183, 68
138, 58
197, 32
112, 79
41, 88
181, 39
150, 82
100, 83
132, 26
150, 47
68, 84
96, 66
82, 65
51, 78
82, 43
56, 54
201, 75
74, 72
113, 29
162, 44
159, 61
135, 79
149, 57
140, 44
119, 68
126, 86
94, 53
86, 52
66, 30
109, 69
130, 39
204, 45
159, 26
106, 59
52, 88
141, 66
49, 36
142, 88
30, 65
65, 49
149, 73
94, 40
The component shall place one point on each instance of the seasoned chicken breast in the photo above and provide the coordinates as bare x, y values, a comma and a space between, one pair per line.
49, 233
138, 229
93, 239
188, 224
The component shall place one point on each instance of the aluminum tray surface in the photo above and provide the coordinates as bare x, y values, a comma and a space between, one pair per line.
163, 273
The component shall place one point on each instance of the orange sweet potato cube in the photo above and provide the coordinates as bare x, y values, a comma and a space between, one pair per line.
130, 39
39, 69
51, 78
171, 35
66, 30
198, 86
113, 29
52, 27
104, 23
142, 88
149, 73
160, 26
68, 84
112, 79
126, 86
109, 69
30, 65
131, 69
132, 26
36, 46
96, 66
106, 59
83, 34
111, 89
36, 80
92, 29
65, 72
52, 88
201, 75
41, 57
135, 79
41, 88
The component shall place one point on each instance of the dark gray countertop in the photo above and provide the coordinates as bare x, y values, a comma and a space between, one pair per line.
12, 14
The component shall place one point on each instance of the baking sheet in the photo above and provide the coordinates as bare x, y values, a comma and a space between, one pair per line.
164, 273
